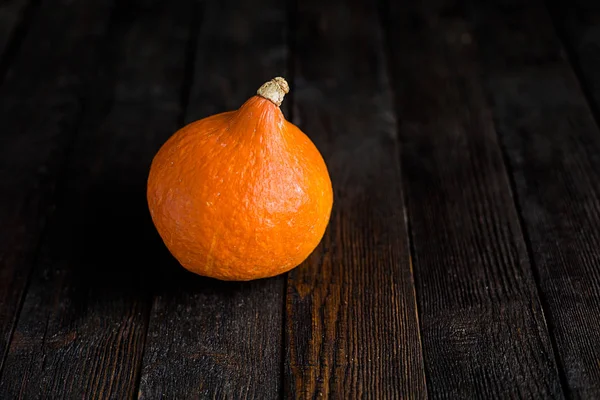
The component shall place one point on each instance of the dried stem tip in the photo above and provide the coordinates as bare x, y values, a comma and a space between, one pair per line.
274, 90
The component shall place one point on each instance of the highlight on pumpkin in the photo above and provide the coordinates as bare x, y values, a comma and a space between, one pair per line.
243, 194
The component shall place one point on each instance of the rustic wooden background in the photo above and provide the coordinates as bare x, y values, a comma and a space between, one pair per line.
462, 259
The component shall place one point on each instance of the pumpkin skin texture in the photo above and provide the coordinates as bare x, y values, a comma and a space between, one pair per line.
241, 195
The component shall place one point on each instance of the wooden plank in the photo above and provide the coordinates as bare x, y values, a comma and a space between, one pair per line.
352, 329
483, 328
82, 328
40, 107
211, 339
15, 16
552, 145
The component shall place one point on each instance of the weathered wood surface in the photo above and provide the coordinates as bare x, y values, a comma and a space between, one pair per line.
483, 329
82, 328
351, 323
552, 144
41, 102
472, 114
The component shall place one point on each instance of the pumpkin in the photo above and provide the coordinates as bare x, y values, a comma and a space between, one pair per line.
243, 194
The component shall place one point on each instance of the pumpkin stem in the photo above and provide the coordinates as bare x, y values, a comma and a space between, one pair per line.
274, 90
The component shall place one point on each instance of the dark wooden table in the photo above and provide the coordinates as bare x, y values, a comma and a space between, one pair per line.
462, 259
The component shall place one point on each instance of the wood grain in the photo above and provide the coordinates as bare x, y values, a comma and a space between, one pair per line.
351, 322
483, 328
212, 339
552, 145
82, 328
40, 109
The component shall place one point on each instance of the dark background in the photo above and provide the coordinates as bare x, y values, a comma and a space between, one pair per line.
462, 258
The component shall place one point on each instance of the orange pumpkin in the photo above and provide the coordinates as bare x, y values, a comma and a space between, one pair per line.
243, 194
